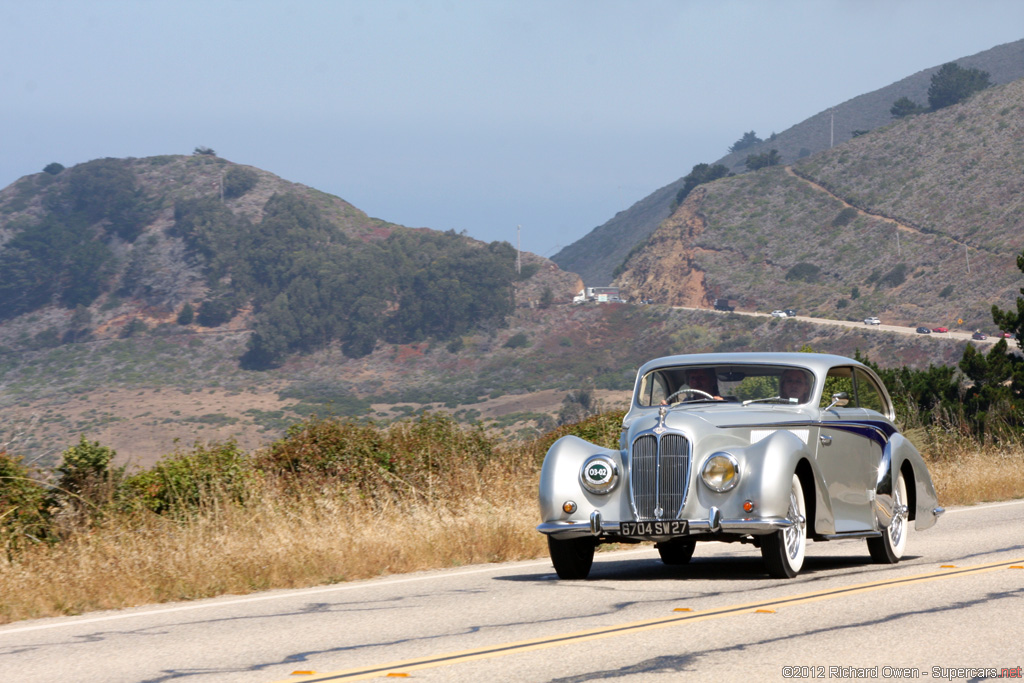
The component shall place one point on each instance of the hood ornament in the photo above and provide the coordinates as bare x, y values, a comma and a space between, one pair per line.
660, 428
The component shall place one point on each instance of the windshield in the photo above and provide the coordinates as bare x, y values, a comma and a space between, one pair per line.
693, 383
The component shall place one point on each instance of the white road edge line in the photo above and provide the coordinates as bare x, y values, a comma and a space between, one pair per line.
218, 602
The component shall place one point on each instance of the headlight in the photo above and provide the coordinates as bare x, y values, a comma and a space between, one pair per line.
721, 472
599, 474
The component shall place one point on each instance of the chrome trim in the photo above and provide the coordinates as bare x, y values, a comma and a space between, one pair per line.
659, 475
884, 502
825, 440
744, 527
938, 512
714, 519
595, 523
850, 534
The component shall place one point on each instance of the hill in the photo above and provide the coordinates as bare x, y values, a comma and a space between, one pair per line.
113, 357
599, 253
917, 222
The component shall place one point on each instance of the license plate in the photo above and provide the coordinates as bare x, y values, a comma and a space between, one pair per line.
670, 527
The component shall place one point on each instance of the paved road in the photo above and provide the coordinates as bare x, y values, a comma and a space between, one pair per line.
954, 603
952, 334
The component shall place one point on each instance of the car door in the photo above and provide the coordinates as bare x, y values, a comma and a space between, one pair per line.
849, 449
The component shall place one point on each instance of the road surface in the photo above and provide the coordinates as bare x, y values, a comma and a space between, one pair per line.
953, 605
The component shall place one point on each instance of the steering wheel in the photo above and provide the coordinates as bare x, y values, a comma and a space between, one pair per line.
688, 391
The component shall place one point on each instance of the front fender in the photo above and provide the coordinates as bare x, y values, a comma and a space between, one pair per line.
560, 482
767, 467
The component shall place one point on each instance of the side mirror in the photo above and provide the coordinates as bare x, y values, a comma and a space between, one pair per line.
839, 399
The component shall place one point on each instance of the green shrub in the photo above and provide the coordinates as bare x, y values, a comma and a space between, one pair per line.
186, 315
23, 509
238, 180
808, 272
517, 341
844, 217
895, 277
184, 483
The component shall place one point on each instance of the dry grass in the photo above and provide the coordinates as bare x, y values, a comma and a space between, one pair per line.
979, 474
239, 550
283, 538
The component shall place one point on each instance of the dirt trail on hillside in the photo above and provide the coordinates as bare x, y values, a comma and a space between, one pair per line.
890, 219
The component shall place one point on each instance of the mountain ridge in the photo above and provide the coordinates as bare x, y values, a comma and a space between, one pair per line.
600, 252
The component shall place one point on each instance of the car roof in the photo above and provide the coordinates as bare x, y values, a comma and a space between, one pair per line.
819, 363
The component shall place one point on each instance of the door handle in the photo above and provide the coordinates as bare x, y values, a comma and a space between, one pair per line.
825, 439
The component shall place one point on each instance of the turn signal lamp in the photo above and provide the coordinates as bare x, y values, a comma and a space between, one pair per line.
568, 507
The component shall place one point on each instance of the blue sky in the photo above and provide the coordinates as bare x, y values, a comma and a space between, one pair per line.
468, 116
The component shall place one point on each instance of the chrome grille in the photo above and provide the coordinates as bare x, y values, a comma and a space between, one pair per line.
659, 473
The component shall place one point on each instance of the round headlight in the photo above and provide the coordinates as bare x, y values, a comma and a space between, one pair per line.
599, 474
721, 472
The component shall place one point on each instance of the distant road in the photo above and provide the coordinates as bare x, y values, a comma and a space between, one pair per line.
952, 334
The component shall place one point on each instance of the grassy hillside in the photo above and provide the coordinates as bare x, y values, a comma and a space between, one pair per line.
597, 255
152, 394
917, 222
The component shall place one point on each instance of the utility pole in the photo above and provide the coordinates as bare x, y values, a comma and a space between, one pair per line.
967, 257
832, 128
519, 263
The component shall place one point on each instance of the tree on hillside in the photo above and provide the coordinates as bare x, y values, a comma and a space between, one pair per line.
953, 84
748, 140
905, 106
698, 175
1012, 321
759, 161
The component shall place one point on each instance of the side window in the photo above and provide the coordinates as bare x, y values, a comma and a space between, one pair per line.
869, 395
653, 389
837, 380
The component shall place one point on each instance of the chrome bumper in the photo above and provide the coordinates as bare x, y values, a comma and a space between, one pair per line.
713, 524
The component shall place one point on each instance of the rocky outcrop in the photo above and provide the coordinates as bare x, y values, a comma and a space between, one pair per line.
665, 270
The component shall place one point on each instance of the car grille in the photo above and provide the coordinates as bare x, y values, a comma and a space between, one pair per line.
659, 473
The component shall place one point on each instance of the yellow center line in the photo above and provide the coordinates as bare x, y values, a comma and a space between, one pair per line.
502, 649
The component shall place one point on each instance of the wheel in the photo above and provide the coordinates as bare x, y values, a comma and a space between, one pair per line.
783, 551
677, 551
889, 548
572, 557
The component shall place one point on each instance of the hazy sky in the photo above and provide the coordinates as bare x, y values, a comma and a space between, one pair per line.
475, 116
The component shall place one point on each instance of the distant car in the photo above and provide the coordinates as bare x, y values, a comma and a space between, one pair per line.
1006, 335
979, 335
872, 321
779, 314
776, 450
940, 329
790, 312
923, 330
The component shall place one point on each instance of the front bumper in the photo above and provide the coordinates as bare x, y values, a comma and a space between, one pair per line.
747, 526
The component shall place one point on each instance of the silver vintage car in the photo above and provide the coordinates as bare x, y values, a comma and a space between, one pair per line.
771, 449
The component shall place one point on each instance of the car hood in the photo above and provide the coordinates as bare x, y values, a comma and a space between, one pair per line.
701, 418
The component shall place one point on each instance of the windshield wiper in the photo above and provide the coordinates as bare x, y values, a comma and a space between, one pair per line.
790, 401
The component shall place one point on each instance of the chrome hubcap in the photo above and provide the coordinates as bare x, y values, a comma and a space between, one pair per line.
794, 533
